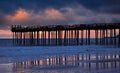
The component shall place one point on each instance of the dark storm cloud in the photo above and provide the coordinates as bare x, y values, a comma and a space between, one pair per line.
2, 19
69, 11
9, 6
3, 22
109, 6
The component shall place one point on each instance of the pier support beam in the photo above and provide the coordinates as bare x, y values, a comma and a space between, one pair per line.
103, 37
56, 37
24, 39
65, 38
13, 38
74, 37
41, 38
49, 38
96, 37
37, 38
34, 38
106, 37
60, 37
69, 39
119, 39
114, 36
77, 37
111, 36
45, 39
100, 37
82, 33
88, 37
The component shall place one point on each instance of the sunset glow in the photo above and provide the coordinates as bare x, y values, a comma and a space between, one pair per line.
30, 13
5, 34
54, 13
20, 15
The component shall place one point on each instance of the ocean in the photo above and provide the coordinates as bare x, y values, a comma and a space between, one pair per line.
58, 59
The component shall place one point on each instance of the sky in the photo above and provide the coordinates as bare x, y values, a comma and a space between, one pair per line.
53, 12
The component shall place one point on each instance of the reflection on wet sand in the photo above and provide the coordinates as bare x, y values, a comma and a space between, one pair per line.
88, 62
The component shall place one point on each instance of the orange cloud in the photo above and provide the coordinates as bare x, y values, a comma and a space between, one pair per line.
52, 13
20, 15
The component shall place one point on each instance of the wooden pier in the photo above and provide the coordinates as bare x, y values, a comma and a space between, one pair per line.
64, 35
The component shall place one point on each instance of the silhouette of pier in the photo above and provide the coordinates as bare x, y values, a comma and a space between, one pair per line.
64, 35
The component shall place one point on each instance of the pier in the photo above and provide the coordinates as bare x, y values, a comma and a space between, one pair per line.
67, 35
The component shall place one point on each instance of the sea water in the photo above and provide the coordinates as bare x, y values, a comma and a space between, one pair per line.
58, 59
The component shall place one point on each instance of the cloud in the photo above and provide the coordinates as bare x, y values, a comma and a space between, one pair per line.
77, 14
20, 15
68, 15
54, 14
2, 19
80, 14
103, 6
24, 17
